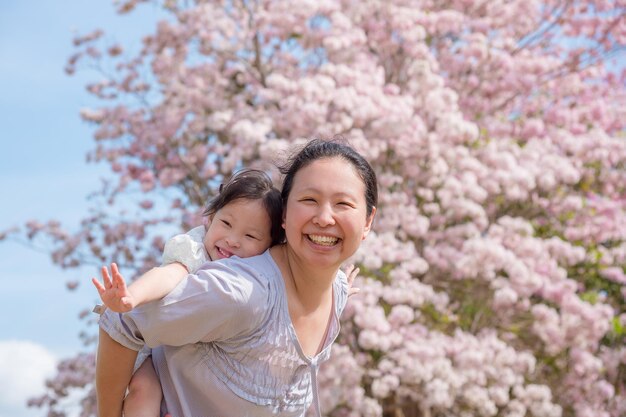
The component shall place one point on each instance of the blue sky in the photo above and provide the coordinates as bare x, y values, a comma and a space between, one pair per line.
43, 175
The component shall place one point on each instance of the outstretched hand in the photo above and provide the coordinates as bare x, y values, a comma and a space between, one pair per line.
114, 293
352, 272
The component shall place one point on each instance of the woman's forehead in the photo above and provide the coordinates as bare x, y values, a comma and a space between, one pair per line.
329, 174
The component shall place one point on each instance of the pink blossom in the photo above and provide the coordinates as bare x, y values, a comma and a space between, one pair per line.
615, 274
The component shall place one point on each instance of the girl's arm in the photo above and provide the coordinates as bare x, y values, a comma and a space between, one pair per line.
114, 368
222, 301
151, 286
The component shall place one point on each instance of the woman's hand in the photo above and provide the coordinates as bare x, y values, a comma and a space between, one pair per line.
352, 272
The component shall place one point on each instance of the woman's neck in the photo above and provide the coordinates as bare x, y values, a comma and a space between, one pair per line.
310, 285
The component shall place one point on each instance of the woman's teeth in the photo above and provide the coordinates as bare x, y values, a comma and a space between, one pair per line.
323, 240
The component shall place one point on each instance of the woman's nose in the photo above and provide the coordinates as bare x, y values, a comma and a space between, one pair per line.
324, 216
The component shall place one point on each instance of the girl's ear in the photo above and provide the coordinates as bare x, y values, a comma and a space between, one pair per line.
368, 223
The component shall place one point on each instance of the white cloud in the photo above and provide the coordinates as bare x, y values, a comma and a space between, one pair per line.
24, 366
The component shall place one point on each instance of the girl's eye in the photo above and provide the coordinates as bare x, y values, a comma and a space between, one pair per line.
226, 223
252, 237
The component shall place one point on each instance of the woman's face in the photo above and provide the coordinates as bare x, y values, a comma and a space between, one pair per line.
325, 216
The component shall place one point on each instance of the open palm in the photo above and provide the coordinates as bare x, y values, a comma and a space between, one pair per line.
113, 290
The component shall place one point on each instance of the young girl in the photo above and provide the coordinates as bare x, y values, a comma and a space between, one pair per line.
244, 220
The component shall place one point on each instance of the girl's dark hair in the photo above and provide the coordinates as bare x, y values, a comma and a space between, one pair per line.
252, 184
321, 149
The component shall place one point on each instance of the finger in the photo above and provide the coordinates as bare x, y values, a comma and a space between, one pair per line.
98, 286
118, 279
353, 291
114, 269
106, 278
353, 274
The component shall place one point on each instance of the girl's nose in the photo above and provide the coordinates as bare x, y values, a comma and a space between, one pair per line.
232, 242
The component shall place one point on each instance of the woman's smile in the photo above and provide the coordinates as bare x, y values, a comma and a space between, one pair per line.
323, 240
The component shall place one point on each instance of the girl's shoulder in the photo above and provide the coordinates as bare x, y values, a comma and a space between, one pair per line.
197, 233
187, 249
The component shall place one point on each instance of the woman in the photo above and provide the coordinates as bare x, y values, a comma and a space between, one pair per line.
246, 336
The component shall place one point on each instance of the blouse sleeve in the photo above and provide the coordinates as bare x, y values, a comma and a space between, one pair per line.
188, 249
216, 304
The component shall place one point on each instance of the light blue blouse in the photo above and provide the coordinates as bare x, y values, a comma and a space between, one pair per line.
224, 344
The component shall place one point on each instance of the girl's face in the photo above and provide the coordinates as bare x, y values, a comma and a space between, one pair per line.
325, 216
241, 228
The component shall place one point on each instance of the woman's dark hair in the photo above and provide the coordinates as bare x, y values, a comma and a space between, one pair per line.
321, 149
252, 184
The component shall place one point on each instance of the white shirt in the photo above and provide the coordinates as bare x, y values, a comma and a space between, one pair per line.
227, 346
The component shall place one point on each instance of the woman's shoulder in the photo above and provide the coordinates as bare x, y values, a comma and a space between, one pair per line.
258, 273
341, 282
261, 266
341, 288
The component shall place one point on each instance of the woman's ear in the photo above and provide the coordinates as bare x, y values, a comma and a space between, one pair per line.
368, 223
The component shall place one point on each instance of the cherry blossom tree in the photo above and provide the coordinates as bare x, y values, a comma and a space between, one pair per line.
494, 283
